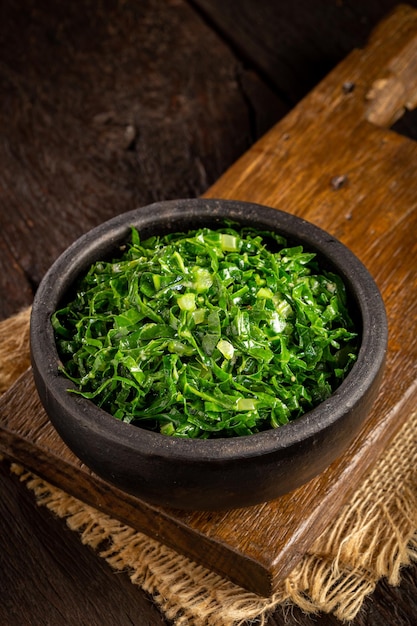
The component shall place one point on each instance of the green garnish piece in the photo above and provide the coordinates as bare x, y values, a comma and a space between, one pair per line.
207, 333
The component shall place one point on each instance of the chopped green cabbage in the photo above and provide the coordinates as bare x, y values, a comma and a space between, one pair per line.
207, 333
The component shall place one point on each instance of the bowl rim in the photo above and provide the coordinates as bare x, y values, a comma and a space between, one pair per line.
77, 257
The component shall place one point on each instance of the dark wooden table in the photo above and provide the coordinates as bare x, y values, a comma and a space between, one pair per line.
105, 108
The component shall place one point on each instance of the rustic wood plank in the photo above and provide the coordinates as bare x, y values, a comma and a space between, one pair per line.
106, 107
326, 162
291, 44
59, 579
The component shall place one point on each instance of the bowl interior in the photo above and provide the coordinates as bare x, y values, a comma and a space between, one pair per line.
106, 240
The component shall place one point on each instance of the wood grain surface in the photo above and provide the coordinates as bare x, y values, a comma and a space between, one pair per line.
328, 163
291, 44
106, 106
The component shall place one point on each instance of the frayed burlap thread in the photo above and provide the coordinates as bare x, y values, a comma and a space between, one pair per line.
374, 536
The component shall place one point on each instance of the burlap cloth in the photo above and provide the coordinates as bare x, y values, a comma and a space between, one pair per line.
374, 536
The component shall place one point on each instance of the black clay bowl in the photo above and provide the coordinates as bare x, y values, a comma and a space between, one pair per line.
214, 473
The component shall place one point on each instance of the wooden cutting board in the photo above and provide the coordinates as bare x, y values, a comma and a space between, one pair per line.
334, 161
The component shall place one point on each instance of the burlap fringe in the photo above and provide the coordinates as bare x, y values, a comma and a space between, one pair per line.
14, 354
374, 536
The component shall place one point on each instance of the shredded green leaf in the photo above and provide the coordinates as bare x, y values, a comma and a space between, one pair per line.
207, 333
